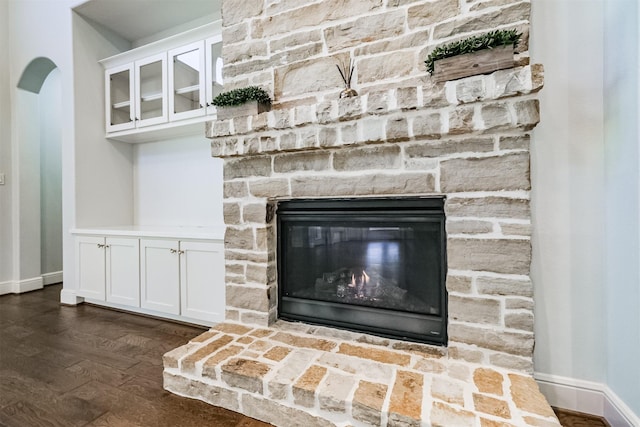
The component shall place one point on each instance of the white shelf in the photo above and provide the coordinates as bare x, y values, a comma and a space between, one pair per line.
199, 233
121, 105
188, 89
151, 97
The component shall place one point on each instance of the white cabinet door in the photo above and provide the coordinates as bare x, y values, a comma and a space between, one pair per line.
213, 67
202, 281
123, 271
186, 81
119, 98
90, 267
160, 275
151, 90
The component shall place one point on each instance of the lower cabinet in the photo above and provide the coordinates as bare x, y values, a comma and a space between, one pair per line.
183, 279
108, 269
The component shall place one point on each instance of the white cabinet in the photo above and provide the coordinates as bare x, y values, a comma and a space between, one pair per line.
195, 78
90, 267
183, 277
119, 98
187, 81
108, 269
177, 278
151, 90
200, 267
162, 87
213, 69
122, 270
160, 275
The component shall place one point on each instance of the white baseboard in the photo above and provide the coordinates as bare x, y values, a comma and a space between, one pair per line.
20, 286
6, 288
28, 285
52, 278
587, 397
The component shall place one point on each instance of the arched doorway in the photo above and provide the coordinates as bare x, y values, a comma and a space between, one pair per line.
38, 141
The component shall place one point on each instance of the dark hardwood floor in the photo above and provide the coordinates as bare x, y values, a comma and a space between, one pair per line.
578, 419
89, 366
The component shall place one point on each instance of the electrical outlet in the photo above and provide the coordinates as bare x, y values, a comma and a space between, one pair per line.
1, 179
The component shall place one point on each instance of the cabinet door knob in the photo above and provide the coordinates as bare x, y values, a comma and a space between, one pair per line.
180, 252
173, 251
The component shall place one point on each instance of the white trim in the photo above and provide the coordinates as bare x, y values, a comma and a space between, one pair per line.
28, 285
69, 297
588, 397
52, 278
6, 288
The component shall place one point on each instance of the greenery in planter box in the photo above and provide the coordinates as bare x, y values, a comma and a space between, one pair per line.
240, 96
473, 44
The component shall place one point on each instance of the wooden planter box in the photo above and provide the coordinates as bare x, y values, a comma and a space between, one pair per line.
247, 109
470, 64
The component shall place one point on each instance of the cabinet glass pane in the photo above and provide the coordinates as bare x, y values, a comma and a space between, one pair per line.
186, 81
216, 70
120, 111
151, 97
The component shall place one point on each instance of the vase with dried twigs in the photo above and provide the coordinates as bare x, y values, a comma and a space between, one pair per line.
346, 72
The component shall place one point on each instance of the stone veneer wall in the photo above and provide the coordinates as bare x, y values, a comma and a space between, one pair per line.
404, 135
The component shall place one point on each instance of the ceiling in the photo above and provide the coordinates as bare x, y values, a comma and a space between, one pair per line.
138, 19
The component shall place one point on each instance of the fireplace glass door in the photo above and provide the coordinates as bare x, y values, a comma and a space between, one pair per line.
372, 265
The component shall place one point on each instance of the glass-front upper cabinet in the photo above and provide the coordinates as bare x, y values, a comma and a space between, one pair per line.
186, 81
151, 90
119, 99
213, 48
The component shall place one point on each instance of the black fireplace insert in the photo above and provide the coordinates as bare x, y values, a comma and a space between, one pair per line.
376, 265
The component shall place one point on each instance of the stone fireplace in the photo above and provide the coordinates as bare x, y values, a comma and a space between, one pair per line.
464, 142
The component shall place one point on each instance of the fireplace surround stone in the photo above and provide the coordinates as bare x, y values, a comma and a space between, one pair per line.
426, 140
405, 135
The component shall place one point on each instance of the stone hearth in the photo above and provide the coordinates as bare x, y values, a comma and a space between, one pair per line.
295, 375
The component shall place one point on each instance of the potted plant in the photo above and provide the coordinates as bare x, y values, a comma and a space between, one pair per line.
474, 55
244, 101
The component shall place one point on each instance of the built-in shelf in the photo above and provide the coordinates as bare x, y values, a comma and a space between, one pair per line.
122, 105
188, 89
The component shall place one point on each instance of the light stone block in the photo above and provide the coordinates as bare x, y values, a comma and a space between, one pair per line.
384, 67
245, 167
247, 298
368, 157
334, 392
431, 12
508, 256
364, 29
488, 207
483, 22
475, 310
514, 343
302, 161
506, 172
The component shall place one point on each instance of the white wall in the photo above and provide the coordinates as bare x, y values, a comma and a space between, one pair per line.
50, 98
6, 248
622, 159
568, 215
103, 169
52, 41
177, 183
585, 201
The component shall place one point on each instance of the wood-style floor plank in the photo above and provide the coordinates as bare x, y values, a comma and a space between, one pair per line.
89, 366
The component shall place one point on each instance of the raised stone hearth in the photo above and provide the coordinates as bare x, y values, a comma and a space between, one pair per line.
296, 375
